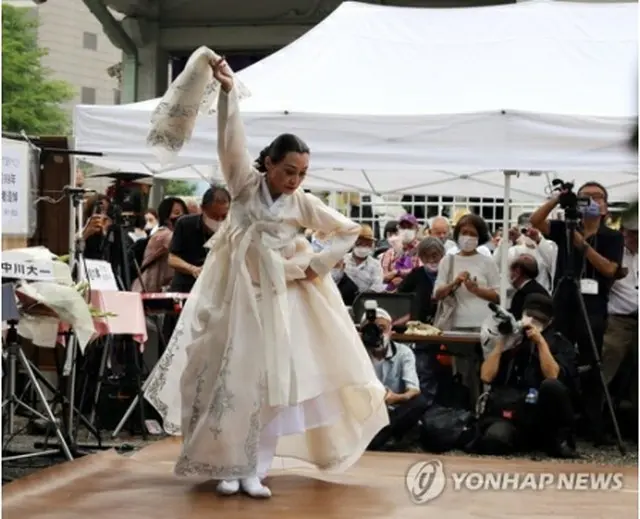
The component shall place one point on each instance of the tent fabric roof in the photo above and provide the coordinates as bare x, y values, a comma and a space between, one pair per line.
534, 86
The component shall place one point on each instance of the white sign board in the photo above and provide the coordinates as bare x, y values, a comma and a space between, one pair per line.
18, 265
16, 183
100, 275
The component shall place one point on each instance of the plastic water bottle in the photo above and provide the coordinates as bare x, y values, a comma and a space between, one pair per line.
532, 396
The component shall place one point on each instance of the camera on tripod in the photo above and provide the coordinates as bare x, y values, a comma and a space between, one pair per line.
572, 204
370, 332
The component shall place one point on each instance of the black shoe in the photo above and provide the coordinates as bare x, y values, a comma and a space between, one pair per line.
603, 440
564, 450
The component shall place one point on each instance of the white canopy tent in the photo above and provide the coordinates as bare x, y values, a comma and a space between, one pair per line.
537, 86
534, 86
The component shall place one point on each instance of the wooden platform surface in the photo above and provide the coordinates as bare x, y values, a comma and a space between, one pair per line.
108, 485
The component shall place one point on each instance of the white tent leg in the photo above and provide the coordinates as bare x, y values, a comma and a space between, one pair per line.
506, 222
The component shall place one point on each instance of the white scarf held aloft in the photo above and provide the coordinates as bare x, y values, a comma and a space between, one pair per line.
195, 91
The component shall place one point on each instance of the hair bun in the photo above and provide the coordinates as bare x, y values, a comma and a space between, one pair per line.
261, 164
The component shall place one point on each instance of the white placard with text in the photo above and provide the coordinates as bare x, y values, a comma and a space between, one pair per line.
100, 275
18, 265
15, 187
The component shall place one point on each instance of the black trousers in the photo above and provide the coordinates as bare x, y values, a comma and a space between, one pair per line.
402, 418
551, 421
591, 386
571, 324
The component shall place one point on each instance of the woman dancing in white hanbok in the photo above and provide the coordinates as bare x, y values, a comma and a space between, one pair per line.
265, 356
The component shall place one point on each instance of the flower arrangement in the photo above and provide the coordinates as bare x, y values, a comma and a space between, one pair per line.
83, 290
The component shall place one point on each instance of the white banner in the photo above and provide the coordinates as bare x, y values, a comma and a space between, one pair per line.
16, 184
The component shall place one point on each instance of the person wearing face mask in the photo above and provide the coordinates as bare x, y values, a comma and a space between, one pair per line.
390, 231
187, 252
401, 258
472, 277
525, 239
155, 272
598, 262
523, 274
151, 222
439, 228
529, 402
422, 279
361, 267
395, 367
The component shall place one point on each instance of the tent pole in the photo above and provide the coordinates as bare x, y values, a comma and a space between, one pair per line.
506, 222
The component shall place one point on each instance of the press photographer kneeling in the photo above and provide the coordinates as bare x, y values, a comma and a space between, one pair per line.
528, 406
395, 366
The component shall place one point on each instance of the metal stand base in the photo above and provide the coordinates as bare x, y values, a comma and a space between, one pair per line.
15, 354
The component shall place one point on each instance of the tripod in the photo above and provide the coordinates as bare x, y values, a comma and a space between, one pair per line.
70, 366
116, 251
571, 281
11, 401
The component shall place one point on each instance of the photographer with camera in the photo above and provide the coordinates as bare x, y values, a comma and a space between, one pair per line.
529, 403
395, 367
597, 252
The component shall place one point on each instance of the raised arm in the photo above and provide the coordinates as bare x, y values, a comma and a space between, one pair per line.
235, 162
343, 232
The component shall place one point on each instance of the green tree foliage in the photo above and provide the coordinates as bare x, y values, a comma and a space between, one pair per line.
30, 98
180, 188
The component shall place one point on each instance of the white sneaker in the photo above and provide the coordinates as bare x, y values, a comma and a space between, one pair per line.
228, 487
255, 488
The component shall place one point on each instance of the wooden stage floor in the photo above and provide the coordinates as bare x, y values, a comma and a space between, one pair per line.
107, 485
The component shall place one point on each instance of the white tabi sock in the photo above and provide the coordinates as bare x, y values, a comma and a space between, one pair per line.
255, 488
266, 452
228, 487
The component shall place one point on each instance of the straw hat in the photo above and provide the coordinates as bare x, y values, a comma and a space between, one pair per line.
366, 232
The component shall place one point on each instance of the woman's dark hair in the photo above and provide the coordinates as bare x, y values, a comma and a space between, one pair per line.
166, 206
390, 227
480, 225
278, 149
152, 212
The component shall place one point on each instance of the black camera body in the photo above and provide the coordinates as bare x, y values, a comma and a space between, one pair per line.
569, 201
370, 332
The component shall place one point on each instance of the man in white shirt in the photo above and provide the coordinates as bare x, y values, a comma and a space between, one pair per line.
524, 239
622, 324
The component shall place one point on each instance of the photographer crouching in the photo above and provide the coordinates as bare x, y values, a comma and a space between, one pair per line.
597, 252
528, 406
395, 366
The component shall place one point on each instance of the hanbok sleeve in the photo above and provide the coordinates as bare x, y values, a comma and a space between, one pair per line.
195, 92
343, 232
235, 162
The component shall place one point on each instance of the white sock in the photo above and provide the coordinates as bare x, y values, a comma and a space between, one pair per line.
228, 487
255, 488
266, 451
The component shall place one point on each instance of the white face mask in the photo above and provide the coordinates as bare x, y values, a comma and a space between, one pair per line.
212, 224
150, 225
467, 243
431, 267
407, 235
362, 252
